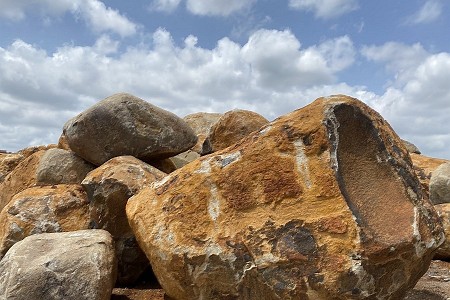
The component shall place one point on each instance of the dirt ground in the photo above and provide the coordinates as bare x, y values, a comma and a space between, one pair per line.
434, 285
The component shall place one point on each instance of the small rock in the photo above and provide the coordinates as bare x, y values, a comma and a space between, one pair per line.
53, 266
43, 209
443, 251
123, 124
58, 166
8, 161
201, 123
234, 126
411, 147
440, 184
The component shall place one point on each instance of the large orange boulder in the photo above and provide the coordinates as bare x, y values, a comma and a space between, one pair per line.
322, 203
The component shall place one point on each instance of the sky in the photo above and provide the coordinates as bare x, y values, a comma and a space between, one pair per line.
57, 58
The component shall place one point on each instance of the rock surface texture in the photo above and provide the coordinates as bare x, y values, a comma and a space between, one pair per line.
123, 124
58, 166
201, 123
440, 184
22, 177
108, 188
308, 207
443, 251
232, 127
8, 161
53, 266
43, 210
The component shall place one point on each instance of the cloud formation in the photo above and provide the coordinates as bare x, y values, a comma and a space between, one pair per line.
204, 8
325, 9
93, 12
429, 12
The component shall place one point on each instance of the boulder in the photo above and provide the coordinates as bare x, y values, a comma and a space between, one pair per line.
424, 167
26, 152
108, 188
308, 207
62, 142
52, 266
43, 209
201, 123
58, 166
434, 284
8, 161
443, 251
440, 184
22, 177
411, 147
232, 127
184, 158
123, 124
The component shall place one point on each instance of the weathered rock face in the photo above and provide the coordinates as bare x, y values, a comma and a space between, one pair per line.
233, 126
8, 161
184, 158
440, 184
58, 166
108, 188
308, 207
201, 123
53, 266
22, 177
444, 212
123, 124
424, 167
43, 209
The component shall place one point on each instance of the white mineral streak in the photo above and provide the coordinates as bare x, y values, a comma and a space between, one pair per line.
214, 203
302, 162
366, 282
205, 167
228, 159
333, 155
265, 130
265, 260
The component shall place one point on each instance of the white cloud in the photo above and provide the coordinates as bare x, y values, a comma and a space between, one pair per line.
325, 9
164, 5
94, 12
429, 12
218, 7
416, 101
269, 74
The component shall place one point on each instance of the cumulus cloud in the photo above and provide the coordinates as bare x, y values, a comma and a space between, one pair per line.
94, 12
271, 74
164, 5
429, 12
218, 7
325, 9
416, 101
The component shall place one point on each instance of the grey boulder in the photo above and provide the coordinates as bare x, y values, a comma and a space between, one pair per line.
123, 124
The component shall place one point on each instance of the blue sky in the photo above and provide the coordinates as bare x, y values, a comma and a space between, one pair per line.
271, 56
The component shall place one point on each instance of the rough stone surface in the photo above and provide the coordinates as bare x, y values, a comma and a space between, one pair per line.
308, 207
22, 177
434, 284
58, 166
108, 188
184, 158
201, 123
123, 124
440, 184
53, 266
424, 167
233, 126
62, 143
8, 161
411, 147
443, 251
43, 209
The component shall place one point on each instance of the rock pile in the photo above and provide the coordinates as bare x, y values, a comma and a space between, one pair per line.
308, 206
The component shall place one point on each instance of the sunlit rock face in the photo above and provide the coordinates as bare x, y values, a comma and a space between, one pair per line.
321, 203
